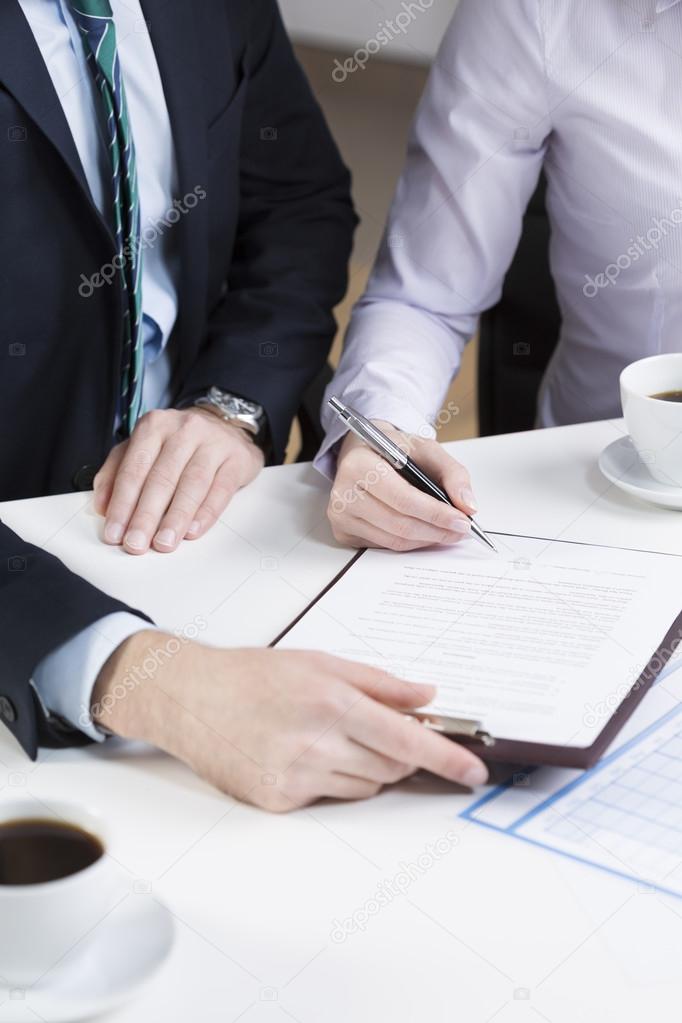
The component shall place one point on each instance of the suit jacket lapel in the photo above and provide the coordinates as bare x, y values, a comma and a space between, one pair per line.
24, 74
174, 38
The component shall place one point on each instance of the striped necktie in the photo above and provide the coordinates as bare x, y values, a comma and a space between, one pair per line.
95, 21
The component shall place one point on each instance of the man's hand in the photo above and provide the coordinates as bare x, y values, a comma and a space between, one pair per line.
275, 728
372, 506
172, 479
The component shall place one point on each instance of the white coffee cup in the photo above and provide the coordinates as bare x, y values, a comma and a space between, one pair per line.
40, 923
655, 425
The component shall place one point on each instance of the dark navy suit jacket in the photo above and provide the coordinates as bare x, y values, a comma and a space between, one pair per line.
263, 262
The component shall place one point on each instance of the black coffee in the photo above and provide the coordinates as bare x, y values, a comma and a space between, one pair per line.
34, 851
668, 396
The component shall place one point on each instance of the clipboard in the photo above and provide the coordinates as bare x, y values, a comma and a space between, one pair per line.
474, 735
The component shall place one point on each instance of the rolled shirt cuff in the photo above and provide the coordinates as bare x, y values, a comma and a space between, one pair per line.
65, 679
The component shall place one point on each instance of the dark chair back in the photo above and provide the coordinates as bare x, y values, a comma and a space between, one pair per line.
312, 433
520, 333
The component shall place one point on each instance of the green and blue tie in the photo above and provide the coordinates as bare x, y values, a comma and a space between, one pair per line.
95, 21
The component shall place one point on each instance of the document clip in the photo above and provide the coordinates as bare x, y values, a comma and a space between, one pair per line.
456, 726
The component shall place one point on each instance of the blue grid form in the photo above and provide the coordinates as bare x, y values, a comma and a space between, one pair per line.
624, 815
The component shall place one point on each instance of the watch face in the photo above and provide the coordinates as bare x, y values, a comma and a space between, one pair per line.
247, 414
239, 406
232, 404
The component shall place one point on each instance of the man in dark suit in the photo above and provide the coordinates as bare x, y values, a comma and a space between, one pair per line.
176, 224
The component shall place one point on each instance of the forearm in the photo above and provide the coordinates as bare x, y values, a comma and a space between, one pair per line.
43, 606
397, 365
242, 719
123, 700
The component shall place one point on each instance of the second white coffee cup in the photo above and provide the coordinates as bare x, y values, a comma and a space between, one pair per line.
655, 425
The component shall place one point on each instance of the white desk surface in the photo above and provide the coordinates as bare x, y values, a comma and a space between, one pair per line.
495, 930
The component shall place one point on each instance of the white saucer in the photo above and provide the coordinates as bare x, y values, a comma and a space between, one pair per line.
122, 955
621, 464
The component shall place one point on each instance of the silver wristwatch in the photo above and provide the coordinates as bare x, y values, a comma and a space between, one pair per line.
249, 415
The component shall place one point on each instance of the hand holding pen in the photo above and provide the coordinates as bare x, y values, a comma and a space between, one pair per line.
414, 495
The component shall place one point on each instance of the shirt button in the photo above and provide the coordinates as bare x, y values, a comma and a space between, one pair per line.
7, 711
83, 478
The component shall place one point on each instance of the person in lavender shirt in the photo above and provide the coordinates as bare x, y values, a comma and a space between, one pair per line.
589, 92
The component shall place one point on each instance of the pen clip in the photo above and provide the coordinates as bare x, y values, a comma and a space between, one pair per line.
466, 727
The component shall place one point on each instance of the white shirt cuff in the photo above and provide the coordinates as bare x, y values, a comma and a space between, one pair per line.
64, 680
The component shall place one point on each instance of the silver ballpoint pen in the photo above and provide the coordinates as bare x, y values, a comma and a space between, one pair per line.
400, 460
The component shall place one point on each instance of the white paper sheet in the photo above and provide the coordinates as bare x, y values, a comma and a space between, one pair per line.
540, 643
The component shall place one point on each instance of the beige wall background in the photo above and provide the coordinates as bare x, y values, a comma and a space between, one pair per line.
350, 23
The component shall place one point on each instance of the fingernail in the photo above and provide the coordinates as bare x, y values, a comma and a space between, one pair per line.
475, 775
467, 496
165, 538
136, 539
113, 532
194, 528
461, 526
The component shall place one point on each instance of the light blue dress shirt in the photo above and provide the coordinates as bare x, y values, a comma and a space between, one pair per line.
64, 680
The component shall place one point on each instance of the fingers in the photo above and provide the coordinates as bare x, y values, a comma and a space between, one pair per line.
365, 534
384, 688
140, 455
104, 480
307, 788
410, 532
369, 507
406, 500
147, 503
407, 741
346, 786
172, 479
451, 475
375, 767
223, 489
192, 489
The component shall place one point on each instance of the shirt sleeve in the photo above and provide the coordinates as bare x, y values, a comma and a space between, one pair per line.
64, 680
475, 153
